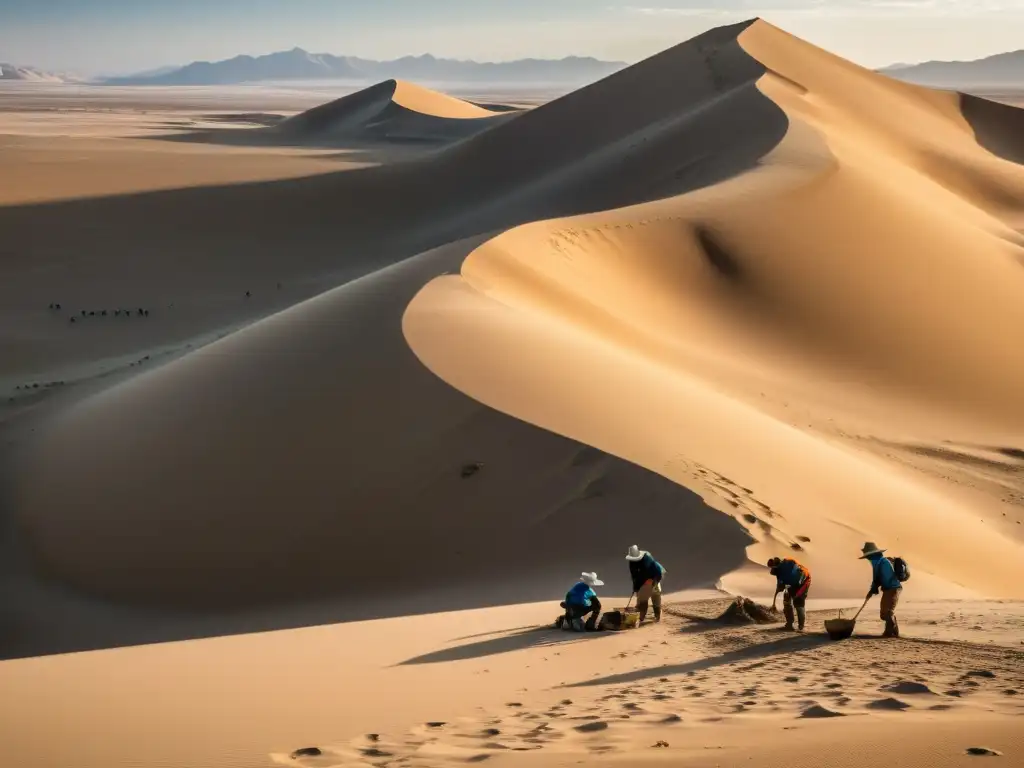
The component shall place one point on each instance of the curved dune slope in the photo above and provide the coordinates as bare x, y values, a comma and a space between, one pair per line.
866, 277
391, 110
799, 259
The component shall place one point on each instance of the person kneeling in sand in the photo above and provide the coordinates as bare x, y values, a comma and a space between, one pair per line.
646, 573
884, 579
794, 581
581, 601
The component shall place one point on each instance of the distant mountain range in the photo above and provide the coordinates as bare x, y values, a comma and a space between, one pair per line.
298, 64
31, 74
1003, 69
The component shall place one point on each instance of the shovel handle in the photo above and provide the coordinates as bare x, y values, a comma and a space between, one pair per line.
862, 607
628, 602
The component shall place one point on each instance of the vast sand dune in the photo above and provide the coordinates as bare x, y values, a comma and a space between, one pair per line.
741, 299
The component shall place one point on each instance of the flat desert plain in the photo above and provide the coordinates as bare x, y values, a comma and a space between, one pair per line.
313, 405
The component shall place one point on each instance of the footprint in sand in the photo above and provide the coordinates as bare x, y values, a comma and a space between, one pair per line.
983, 673
888, 704
594, 727
907, 687
670, 719
816, 711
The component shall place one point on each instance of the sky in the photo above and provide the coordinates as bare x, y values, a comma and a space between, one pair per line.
92, 37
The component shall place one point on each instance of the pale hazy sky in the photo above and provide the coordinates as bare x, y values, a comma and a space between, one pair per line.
121, 36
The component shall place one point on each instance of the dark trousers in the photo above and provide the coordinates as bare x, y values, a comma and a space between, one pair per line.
580, 611
796, 597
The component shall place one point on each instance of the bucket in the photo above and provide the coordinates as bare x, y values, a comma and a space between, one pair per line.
620, 618
839, 629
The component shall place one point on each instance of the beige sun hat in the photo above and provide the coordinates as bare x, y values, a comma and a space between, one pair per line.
870, 548
591, 580
635, 553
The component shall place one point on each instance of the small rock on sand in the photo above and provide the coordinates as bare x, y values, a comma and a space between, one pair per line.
988, 674
817, 711
436, 724
597, 725
659, 745
306, 752
983, 752
669, 719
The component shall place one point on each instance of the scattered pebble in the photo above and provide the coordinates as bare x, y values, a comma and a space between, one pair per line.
306, 752
983, 751
659, 745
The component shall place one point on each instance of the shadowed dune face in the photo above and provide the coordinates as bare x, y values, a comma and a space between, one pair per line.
999, 128
312, 455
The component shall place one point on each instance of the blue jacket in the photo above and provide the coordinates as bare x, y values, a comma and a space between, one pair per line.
882, 573
643, 569
789, 573
580, 594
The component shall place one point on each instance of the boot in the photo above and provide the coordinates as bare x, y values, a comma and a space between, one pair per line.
801, 617
891, 630
787, 611
657, 613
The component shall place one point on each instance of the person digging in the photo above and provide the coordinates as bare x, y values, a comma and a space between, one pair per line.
646, 573
580, 602
884, 580
794, 581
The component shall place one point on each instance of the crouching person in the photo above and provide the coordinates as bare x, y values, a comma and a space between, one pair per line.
581, 602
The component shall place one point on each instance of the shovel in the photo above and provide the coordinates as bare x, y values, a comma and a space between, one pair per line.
841, 629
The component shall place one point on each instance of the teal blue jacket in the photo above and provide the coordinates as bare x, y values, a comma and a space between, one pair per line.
882, 573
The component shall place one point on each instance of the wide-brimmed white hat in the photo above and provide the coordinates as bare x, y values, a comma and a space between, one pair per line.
870, 548
591, 580
635, 553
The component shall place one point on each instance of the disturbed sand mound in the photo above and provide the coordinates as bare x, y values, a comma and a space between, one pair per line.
761, 195
393, 110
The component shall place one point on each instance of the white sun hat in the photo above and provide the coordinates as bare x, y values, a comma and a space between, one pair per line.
591, 580
635, 553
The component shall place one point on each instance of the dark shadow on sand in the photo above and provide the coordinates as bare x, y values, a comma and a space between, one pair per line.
532, 637
999, 128
785, 645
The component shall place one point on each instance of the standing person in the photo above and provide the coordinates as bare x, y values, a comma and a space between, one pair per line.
794, 581
646, 573
884, 579
581, 601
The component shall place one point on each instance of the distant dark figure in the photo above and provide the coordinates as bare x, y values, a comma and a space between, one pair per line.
56, 306
104, 313
91, 313
248, 294
141, 311
117, 313
145, 313
71, 319
83, 313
